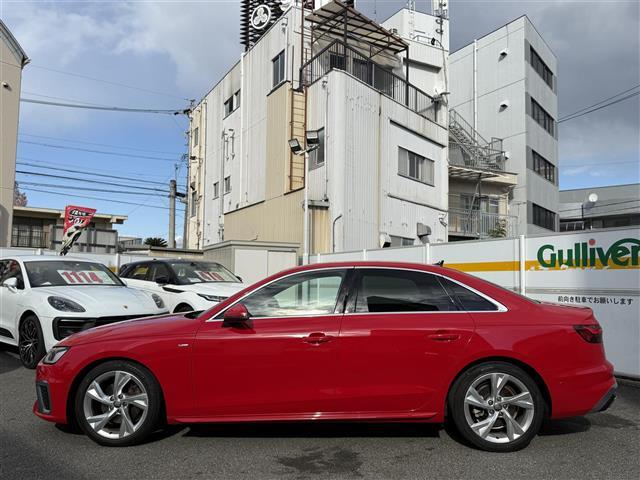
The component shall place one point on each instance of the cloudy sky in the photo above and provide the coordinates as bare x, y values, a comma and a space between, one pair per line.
160, 54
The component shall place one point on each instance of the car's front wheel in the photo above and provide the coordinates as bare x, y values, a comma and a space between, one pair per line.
497, 407
118, 403
31, 342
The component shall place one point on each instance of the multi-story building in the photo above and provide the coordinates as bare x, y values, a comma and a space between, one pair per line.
504, 109
372, 92
599, 207
12, 61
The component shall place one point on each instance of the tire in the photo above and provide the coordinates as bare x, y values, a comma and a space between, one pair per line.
31, 342
183, 308
491, 422
118, 420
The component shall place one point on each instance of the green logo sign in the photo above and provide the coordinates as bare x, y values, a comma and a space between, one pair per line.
623, 253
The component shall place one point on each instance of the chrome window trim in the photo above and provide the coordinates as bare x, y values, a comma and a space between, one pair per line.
275, 280
500, 307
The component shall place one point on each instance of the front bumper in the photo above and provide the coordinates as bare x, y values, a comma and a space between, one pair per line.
68, 325
52, 389
606, 400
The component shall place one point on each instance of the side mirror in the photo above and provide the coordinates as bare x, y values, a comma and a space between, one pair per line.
162, 280
239, 278
11, 284
236, 316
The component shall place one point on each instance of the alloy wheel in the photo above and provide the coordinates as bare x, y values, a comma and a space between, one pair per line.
498, 407
115, 404
29, 342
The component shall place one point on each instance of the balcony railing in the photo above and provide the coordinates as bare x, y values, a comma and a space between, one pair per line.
339, 56
478, 224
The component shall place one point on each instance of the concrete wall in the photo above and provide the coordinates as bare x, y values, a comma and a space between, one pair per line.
11, 63
510, 78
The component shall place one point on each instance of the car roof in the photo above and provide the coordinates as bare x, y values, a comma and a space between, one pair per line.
45, 258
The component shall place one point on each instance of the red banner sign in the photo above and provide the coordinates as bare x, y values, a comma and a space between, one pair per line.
75, 220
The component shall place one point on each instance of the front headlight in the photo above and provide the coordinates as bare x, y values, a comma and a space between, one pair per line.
54, 355
64, 304
158, 300
212, 298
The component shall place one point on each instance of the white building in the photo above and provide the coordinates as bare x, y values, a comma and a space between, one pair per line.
380, 173
504, 86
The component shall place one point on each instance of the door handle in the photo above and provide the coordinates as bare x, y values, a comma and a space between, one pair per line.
444, 337
316, 338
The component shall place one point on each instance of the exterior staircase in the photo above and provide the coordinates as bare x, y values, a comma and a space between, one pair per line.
467, 148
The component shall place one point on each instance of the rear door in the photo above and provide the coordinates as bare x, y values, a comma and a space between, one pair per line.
399, 335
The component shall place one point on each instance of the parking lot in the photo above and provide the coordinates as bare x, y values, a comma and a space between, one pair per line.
605, 445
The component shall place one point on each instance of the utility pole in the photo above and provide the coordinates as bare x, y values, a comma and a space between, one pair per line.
172, 214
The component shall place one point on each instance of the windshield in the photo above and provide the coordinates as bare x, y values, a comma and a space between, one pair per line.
59, 273
189, 273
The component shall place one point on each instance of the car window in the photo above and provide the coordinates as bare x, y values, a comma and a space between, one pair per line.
137, 272
469, 300
159, 271
400, 291
10, 269
312, 293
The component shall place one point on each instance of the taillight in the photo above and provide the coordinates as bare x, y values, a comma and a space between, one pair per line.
590, 333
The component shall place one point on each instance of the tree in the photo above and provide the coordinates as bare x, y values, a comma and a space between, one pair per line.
19, 198
155, 242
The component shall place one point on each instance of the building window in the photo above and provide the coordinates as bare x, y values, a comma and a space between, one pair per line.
544, 168
543, 119
539, 66
337, 60
194, 203
415, 166
316, 159
544, 218
232, 103
400, 241
278, 69
216, 190
227, 184
196, 136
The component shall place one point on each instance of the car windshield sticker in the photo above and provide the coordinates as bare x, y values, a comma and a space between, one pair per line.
209, 276
86, 277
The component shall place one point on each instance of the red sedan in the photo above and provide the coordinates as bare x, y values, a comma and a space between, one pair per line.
365, 341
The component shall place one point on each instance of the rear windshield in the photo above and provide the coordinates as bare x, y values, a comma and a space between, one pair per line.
58, 273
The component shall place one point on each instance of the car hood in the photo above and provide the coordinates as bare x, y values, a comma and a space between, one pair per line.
221, 289
158, 326
104, 300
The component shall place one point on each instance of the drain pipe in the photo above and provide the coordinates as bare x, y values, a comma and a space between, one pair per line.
333, 233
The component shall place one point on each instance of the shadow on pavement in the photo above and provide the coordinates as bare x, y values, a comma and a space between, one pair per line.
9, 360
565, 426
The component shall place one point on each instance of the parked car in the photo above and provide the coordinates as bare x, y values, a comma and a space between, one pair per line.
45, 299
183, 285
344, 341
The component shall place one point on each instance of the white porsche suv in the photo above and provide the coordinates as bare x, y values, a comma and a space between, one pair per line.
183, 285
44, 299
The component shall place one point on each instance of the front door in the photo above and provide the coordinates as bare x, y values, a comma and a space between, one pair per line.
283, 361
399, 335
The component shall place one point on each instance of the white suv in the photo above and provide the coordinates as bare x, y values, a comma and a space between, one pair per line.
183, 285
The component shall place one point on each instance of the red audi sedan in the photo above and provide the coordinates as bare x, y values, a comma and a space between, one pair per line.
365, 341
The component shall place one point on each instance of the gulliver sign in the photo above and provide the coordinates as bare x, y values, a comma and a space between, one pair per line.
622, 253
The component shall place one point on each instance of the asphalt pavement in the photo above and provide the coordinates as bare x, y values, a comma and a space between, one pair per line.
604, 445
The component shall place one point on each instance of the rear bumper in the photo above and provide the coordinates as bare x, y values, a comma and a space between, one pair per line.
606, 400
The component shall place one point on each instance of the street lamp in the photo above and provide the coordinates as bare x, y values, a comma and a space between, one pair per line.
313, 142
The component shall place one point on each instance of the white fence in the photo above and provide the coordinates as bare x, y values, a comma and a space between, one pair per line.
111, 260
597, 268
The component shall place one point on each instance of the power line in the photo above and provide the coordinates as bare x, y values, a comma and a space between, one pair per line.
115, 154
64, 98
598, 103
177, 111
627, 97
28, 164
90, 180
91, 198
100, 144
74, 187
124, 85
601, 205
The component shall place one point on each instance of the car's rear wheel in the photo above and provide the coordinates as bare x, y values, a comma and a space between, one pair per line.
497, 407
31, 342
118, 403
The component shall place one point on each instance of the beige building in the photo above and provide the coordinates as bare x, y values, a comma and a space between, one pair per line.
12, 61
